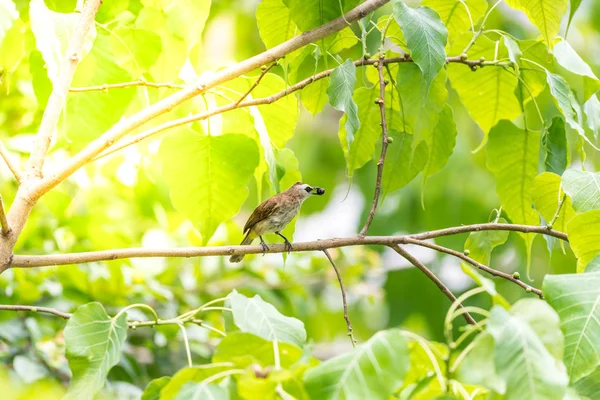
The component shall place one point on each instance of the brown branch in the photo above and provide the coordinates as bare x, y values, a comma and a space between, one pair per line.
262, 74
60, 88
126, 125
29, 261
344, 300
140, 82
433, 278
384, 145
260, 101
14, 168
46, 310
476, 264
3, 220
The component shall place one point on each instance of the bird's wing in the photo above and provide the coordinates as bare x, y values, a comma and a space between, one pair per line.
263, 211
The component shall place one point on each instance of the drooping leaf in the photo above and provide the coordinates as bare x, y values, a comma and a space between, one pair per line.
555, 143
440, 142
574, 5
478, 366
513, 158
152, 391
481, 244
535, 78
207, 184
256, 316
455, 16
488, 93
199, 391
584, 237
52, 32
591, 108
192, 375
546, 197
314, 96
521, 359
576, 299
93, 346
583, 187
8, 14
514, 50
372, 371
426, 37
544, 14
568, 58
341, 88
404, 161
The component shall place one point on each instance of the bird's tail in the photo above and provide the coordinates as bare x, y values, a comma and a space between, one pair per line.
250, 236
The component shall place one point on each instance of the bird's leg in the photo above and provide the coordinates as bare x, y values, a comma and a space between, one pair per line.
264, 245
288, 245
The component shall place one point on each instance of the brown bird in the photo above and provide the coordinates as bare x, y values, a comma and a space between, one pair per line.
273, 214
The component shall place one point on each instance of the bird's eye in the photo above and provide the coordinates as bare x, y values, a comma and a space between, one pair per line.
308, 189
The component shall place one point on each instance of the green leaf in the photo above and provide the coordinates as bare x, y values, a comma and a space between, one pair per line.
275, 24
478, 366
93, 346
486, 283
314, 96
403, 161
256, 316
576, 299
207, 185
244, 349
52, 32
555, 143
426, 37
309, 14
528, 369
488, 93
574, 5
201, 391
513, 159
568, 58
341, 88
591, 108
8, 14
584, 237
135, 49
546, 193
186, 18
583, 187
440, 142
374, 370
594, 265
544, 14
152, 391
192, 375
589, 385
454, 15
481, 244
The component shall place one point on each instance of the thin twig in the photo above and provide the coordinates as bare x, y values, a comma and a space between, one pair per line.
344, 300
140, 82
46, 310
265, 100
255, 84
384, 145
3, 220
443, 288
29, 261
557, 213
14, 168
476, 264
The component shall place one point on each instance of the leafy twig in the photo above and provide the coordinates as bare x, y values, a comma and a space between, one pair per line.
3, 220
255, 84
557, 213
344, 300
14, 168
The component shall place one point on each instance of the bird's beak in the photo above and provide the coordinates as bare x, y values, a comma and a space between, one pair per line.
318, 191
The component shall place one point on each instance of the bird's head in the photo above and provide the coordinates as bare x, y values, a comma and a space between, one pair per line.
305, 190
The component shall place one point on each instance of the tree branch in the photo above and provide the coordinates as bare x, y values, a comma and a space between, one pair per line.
46, 310
14, 168
126, 125
30, 261
344, 300
3, 220
433, 278
60, 88
255, 84
384, 145
140, 82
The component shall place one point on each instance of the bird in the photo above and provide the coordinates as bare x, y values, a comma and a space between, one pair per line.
273, 214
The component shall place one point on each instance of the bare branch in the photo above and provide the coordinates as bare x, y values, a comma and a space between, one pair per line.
476, 264
344, 300
126, 125
140, 82
262, 73
14, 168
46, 310
433, 278
384, 145
3, 220
60, 88
29, 261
